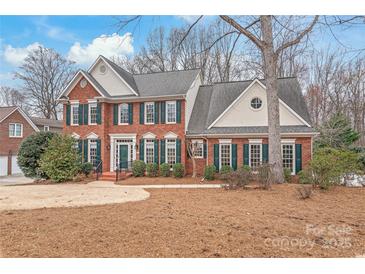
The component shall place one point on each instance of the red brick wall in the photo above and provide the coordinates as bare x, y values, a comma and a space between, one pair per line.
107, 127
11, 143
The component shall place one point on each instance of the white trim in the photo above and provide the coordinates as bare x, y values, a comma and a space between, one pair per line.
113, 137
249, 153
21, 130
90, 101
255, 141
262, 103
44, 128
73, 83
166, 158
282, 154
230, 153
123, 135
92, 135
245, 135
94, 104
288, 141
243, 92
166, 112
72, 113
225, 141
200, 142
149, 135
75, 135
74, 102
26, 117
119, 112
170, 135
145, 149
145, 113
107, 63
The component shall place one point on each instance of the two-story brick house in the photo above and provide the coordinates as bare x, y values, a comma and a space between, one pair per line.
15, 126
119, 117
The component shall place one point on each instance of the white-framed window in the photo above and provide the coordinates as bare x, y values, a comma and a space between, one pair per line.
45, 128
288, 154
225, 154
93, 113
93, 152
256, 103
198, 148
149, 113
149, 151
255, 155
74, 114
171, 112
16, 130
123, 114
171, 151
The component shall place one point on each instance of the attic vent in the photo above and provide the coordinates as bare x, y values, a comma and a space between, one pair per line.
83, 83
102, 69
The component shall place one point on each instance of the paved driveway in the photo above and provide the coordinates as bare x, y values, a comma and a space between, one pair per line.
67, 195
14, 180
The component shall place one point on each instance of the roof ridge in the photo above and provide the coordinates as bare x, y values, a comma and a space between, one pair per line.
155, 72
249, 80
113, 63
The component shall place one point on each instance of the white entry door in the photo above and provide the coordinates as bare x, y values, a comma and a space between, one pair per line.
3, 165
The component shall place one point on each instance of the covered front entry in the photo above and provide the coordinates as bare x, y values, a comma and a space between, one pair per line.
122, 151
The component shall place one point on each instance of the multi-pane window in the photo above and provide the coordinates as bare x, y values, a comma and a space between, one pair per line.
255, 155
149, 151
123, 114
75, 114
197, 148
288, 156
225, 154
93, 110
93, 152
45, 128
150, 113
171, 151
171, 112
15, 130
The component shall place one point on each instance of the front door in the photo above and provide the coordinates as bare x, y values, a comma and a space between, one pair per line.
123, 156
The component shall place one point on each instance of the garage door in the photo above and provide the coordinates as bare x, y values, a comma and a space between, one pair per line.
15, 169
3, 165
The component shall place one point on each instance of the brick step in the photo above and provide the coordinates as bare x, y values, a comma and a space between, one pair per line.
111, 176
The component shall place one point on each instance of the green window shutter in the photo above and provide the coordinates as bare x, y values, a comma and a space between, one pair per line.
298, 158
265, 153
162, 151
98, 113
157, 112
234, 156
81, 112
86, 150
98, 151
130, 113
156, 151
68, 115
163, 112
115, 114
178, 151
216, 156
141, 113
246, 151
141, 149
178, 111
79, 147
205, 150
86, 114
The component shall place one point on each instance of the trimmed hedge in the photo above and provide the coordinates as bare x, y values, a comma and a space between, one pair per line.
226, 169
165, 170
152, 169
178, 170
138, 168
209, 172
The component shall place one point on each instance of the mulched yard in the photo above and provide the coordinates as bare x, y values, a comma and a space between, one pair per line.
195, 223
165, 181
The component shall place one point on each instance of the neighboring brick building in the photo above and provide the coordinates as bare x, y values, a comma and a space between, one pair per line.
15, 126
119, 117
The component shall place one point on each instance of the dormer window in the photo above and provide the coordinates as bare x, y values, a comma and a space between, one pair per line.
256, 103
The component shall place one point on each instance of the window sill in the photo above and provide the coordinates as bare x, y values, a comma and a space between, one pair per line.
170, 123
149, 123
123, 124
18, 137
93, 124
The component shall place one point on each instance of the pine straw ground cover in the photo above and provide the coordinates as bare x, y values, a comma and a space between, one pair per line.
195, 223
166, 181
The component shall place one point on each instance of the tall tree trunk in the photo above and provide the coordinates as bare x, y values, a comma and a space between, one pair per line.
270, 70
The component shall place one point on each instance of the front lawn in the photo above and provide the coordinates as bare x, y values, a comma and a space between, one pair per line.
195, 223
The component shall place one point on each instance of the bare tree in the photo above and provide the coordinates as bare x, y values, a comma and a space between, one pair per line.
11, 97
192, 148
44, 75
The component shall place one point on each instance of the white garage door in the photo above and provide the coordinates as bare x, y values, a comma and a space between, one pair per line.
15, 169
3, 165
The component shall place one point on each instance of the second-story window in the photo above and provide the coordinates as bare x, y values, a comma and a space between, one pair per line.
45, 128
123, 114
15, 130
93, 110
149, 113
75, 114
171, 112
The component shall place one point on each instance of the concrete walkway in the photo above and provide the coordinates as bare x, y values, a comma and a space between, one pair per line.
175, 186
14, 180
67, 195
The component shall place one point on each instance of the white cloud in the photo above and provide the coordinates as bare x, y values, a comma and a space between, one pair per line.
16, 56
107, 45
54, 32
188, 18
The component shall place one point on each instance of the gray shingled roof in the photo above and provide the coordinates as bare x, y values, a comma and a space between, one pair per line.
5, 111
46, 122
212, 100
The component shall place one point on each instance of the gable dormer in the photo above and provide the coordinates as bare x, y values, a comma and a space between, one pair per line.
113, 79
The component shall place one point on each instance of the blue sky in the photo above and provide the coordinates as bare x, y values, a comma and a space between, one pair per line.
80, 37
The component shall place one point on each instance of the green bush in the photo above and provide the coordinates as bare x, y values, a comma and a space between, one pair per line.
152, 169
61, 161
138, 168
225, 169
246, 168
86, 168
305, 176
209, 172
329, 164
30, 152
178, 170
287, 175
165, 170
